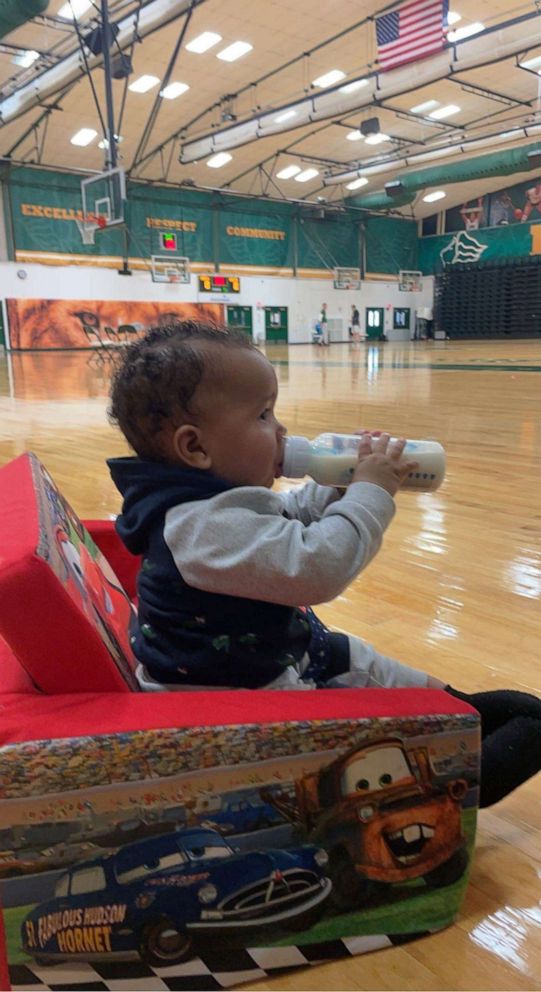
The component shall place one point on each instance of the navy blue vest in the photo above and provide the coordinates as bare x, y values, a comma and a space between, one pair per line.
186, 635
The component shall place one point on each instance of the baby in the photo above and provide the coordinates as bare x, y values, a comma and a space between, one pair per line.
227, 561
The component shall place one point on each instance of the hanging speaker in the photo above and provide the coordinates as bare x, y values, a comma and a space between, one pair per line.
534, 158
94, 39
121, 66
394, 187
371, 126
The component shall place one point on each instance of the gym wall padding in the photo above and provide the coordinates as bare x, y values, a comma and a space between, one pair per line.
209, 227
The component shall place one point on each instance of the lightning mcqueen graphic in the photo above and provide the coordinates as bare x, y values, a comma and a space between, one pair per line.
159, 896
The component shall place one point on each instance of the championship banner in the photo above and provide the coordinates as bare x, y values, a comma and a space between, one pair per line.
50, 324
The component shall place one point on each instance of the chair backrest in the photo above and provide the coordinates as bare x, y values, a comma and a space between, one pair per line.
63, 612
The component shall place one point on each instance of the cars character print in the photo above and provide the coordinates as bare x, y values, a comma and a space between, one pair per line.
159, 896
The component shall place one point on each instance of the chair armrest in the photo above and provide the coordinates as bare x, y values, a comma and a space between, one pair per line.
125, 565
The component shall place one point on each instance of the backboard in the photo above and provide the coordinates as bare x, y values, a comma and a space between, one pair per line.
170, 268
104, 195
347, 278
410, 281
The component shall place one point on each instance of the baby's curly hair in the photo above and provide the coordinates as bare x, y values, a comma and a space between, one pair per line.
156, 377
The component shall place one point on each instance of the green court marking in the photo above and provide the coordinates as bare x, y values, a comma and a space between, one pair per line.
437, 366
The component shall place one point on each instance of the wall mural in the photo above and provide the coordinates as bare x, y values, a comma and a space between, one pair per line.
45, 324
511, 205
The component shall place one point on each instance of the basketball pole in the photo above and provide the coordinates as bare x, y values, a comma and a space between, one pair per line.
111, 157
110, 153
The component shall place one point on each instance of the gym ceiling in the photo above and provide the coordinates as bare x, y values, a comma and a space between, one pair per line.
263, 109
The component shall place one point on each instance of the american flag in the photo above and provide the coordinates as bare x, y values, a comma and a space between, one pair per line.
412, 31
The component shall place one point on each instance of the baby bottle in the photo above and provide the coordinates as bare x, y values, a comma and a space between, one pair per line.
330, 459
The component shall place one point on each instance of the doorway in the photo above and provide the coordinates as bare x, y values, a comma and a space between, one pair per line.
241, 319
374, 323
276, 325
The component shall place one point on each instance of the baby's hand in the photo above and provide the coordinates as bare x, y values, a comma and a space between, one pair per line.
379, 463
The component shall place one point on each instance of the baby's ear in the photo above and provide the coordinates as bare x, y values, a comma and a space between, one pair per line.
188, 445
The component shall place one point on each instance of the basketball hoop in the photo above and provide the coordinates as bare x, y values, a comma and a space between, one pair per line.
88, 225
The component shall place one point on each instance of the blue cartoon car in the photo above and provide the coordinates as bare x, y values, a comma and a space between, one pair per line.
243, 816
161, 895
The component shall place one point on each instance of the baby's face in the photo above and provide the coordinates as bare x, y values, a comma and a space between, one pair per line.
241, 433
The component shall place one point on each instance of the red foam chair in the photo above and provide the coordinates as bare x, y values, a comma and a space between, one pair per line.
175, 837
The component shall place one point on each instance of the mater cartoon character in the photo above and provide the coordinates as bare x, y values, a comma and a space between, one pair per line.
378, 821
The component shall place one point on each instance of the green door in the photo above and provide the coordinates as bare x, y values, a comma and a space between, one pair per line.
374, 323
276, 323
240, 318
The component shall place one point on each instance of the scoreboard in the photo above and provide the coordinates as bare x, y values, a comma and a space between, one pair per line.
219, 284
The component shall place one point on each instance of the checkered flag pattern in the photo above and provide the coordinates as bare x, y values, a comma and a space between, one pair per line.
220, 968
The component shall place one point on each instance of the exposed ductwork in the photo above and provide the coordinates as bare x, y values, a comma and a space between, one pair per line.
71, 68
501, 163
505, 41
13, 13
460, 147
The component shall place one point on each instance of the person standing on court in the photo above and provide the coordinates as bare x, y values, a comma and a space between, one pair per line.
355, 325
323, 323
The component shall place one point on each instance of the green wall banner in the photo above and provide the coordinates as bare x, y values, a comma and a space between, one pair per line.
476, 246
44, 207
255, 233
328, 243
209, 227
391, 244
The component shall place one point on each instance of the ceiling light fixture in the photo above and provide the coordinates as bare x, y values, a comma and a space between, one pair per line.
26, 59
453, 17
303, 177
288, 172
221, 158
104, 143
69, 11
353, 87
422, 108
143, 84
466, 31
353, 136
84, 137
234, 51
285, 116
446, 111
376, 139
357, 183
203, 42
329, 78
438, 194
173, 90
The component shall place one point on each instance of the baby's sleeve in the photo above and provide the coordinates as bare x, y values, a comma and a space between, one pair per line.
308, 503
240, 544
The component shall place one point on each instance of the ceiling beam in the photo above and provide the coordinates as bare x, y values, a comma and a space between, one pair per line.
152, 117
490, 94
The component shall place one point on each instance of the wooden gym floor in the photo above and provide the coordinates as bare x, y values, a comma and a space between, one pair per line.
456, 588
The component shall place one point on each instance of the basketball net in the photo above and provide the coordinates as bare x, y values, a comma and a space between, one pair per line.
88, 227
